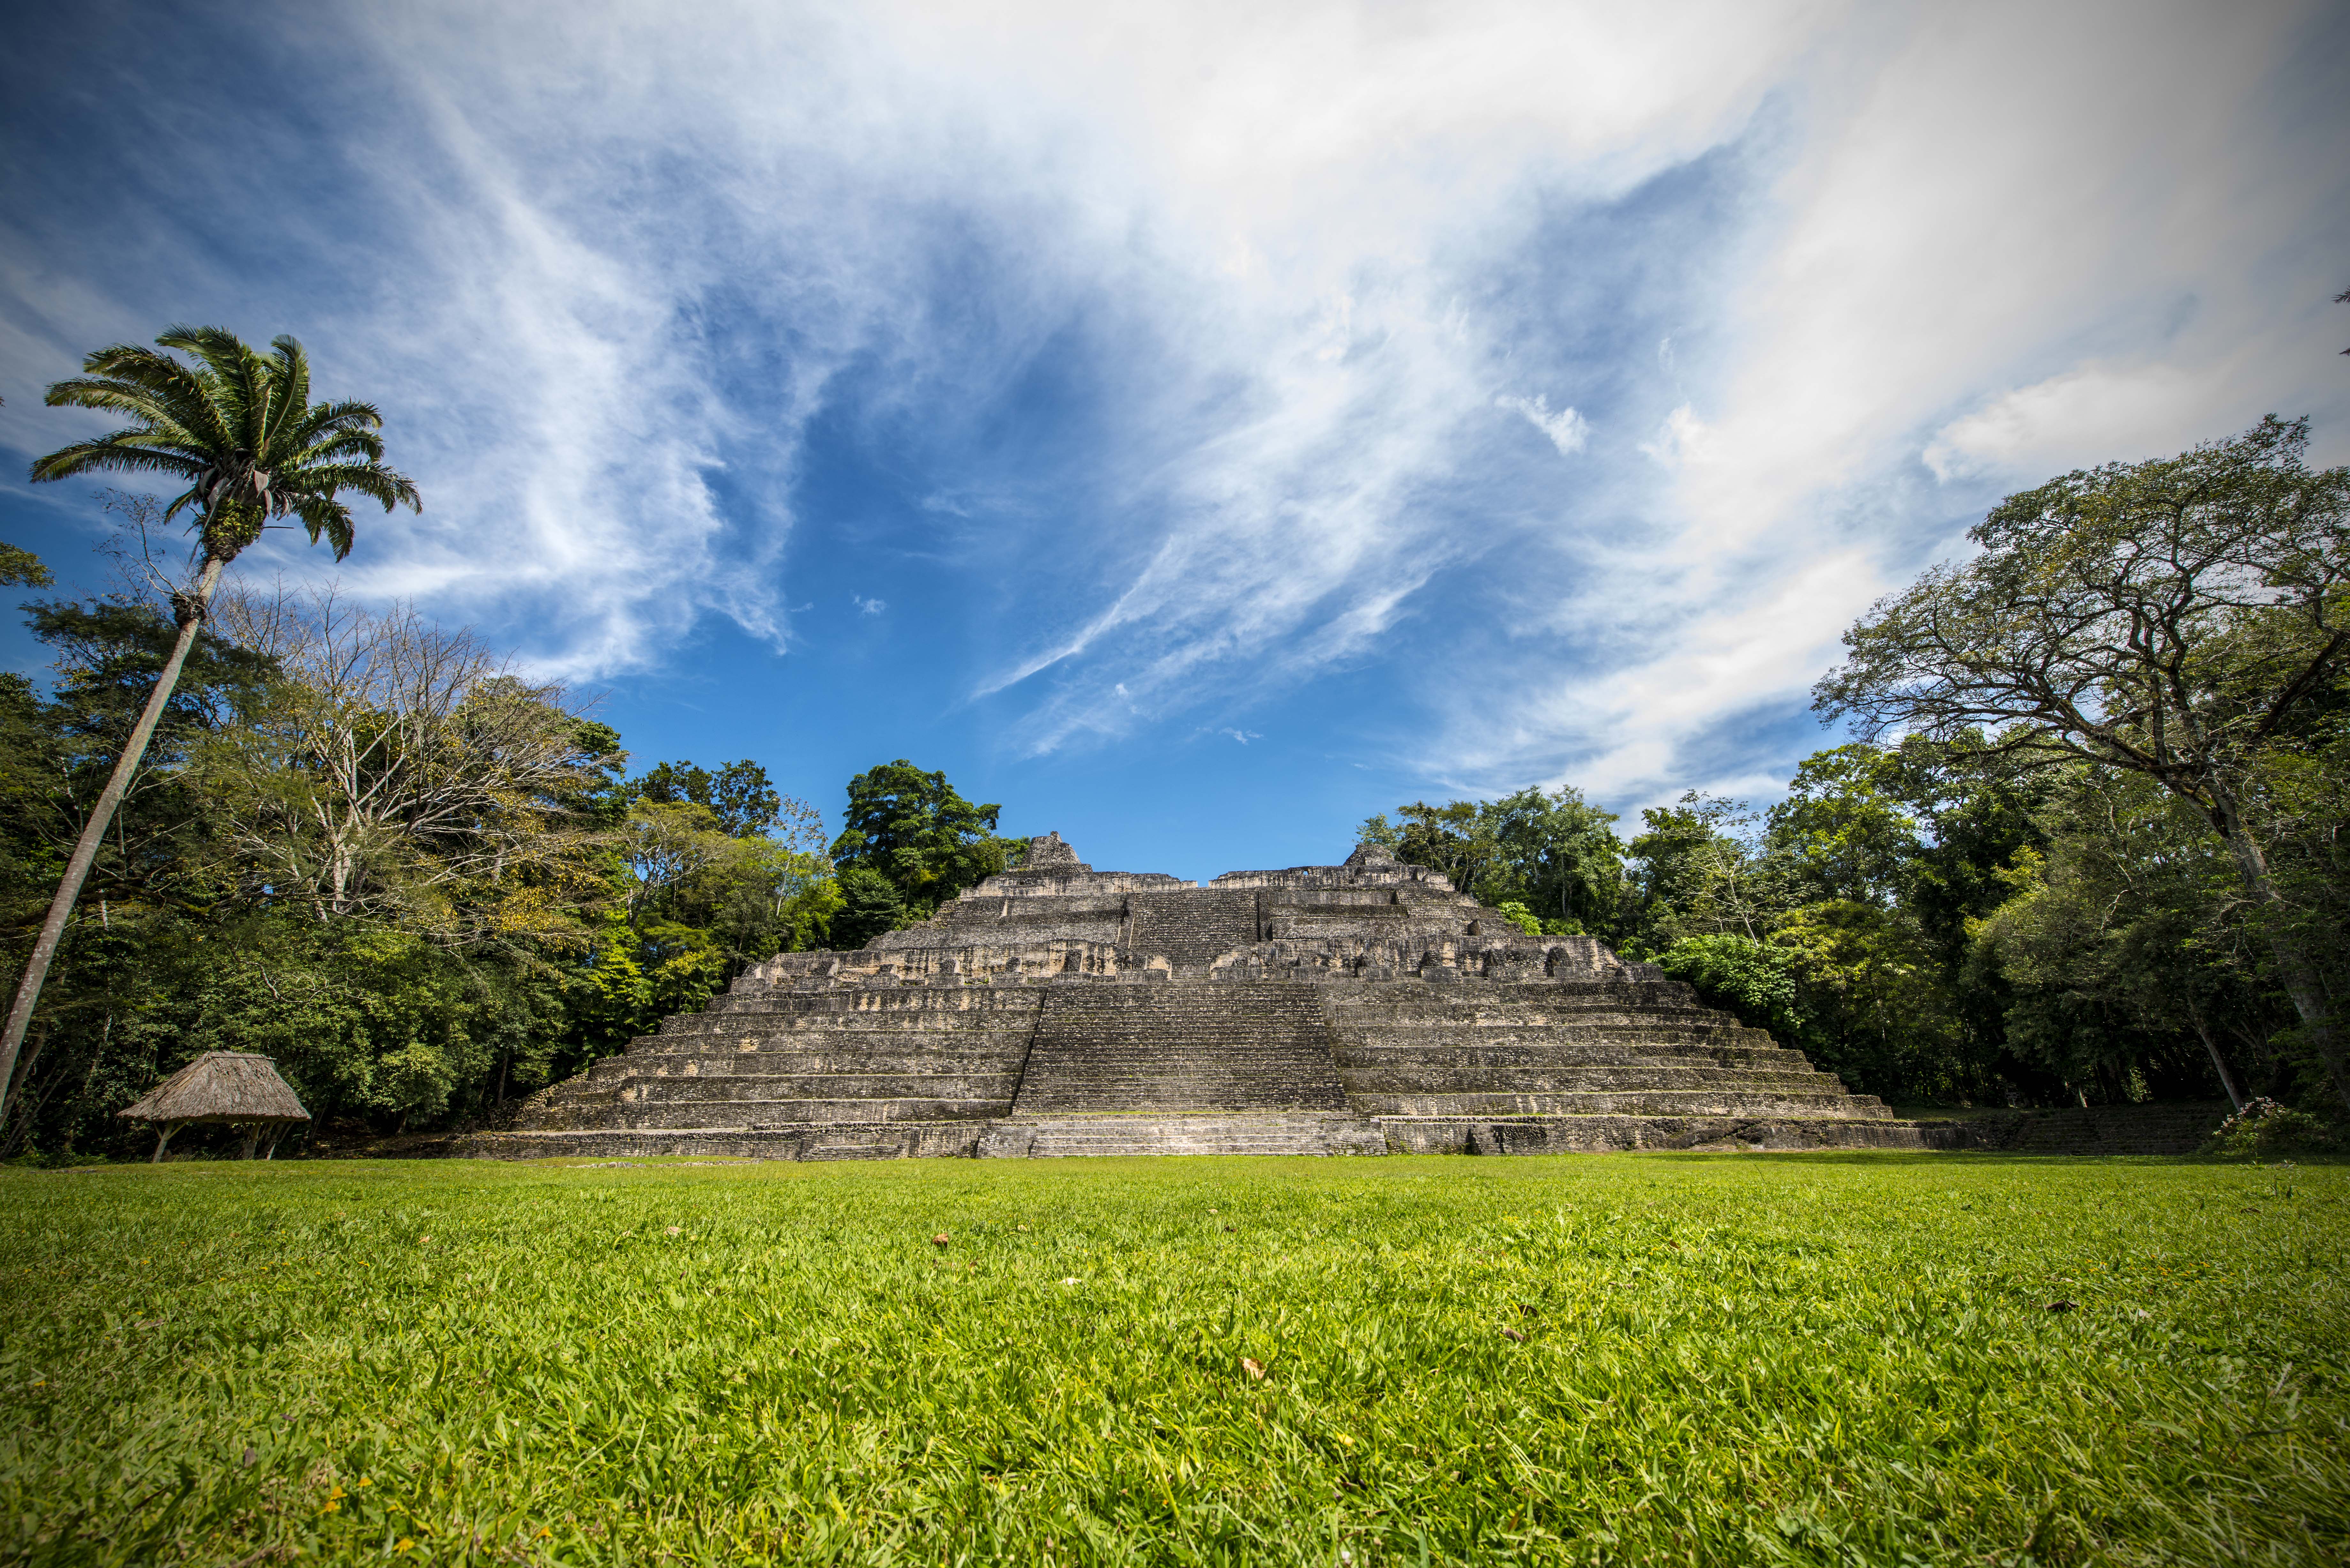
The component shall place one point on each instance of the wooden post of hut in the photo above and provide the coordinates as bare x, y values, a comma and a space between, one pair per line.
239, 1088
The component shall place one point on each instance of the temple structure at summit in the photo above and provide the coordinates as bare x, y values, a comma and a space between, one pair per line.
1364, 1008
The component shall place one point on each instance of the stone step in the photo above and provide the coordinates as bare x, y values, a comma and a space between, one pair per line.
827, 1140
771, 1059
1623, 1042
1419, 1078
1194, 927
621, 1115
992, 1086
1535, 1051
945, 1019
915, 1042
1628, 1102
1597, 1021
1042, 1138
1008, 1001
2148, 1129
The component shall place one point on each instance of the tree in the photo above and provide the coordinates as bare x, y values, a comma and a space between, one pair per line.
1560, 853
662, 843
2122, 946
915, 832
401, 768
871, 906
22, 567
1555, 854
1700, 870
1453, 839
2181, 618
1842, 832
238, 429
738, 794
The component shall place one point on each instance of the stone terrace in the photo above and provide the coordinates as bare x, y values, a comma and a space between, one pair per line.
1056, 1011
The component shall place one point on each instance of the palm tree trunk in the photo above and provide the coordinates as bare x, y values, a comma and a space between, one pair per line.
93, 833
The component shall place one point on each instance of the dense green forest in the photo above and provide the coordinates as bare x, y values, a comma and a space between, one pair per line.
2065, 865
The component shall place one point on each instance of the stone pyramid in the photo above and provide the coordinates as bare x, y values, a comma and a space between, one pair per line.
1056, 1010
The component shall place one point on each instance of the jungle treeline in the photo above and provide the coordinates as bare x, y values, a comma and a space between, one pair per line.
362, 845
1934, 922
2089, 846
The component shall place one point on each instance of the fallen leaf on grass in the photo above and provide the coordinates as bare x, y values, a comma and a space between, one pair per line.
1253, 1367
1513, 1334
676, 1229
2064, 1306
940, 1239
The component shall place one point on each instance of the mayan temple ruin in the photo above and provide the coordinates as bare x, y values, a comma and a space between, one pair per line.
1366, 1008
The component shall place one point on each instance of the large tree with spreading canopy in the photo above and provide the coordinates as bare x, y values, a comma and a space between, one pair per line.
2186, 619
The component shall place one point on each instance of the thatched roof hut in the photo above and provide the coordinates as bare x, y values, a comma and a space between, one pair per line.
237, 1086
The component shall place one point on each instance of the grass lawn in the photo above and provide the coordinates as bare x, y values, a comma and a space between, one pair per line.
1707, 1359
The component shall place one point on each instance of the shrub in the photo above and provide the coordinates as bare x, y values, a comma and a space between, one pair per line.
1518, 915
2264, 1127
1741, 974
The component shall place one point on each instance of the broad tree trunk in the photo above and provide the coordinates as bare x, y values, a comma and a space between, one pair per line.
2295, 967
93, 833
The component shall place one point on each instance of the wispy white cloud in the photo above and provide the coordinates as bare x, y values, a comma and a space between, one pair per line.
1936, 296
630, 260
867, 607
1567, 430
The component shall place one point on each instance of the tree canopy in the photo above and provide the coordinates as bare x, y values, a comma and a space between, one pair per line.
911, 829
2184, 619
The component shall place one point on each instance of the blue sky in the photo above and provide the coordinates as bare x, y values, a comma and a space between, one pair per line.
1197, 425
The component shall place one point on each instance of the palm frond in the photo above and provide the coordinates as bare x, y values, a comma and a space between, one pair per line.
157, 407
344, 427
324, 514
240, 427
125, 452
196, 392
235, 380
288, 403
376, 483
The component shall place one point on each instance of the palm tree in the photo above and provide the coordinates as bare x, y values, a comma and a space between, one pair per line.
239, 429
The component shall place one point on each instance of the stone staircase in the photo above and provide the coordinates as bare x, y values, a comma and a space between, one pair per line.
871, 1072
1041, 1138
1192, 928
1608, 1063
1177, 1049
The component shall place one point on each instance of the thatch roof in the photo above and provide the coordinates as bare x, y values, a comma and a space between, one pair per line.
221, 1086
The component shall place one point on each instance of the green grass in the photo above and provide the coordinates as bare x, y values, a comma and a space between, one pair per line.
1819, 1360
